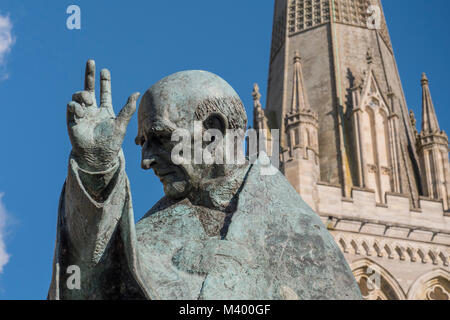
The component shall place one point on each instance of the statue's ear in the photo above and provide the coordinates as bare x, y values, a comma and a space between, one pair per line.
216, 121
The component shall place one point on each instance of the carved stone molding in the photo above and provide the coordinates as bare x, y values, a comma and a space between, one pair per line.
392, 249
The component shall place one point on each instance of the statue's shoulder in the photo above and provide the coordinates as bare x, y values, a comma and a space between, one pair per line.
267, 184
161, 205
167, 204
269, 201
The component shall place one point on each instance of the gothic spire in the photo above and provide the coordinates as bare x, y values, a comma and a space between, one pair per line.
299, 100
429, 119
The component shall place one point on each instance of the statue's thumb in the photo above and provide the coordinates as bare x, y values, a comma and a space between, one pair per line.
124, 116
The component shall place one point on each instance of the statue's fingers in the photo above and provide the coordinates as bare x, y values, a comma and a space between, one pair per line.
89, 81
105, 90
75, 109
83, 98
127, 112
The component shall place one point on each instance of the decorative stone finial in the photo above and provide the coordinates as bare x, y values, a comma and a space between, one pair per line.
412, 117
256, 96
297, 57
429, 119
424, 78
299, 98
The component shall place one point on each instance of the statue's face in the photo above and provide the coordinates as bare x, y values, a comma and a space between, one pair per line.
156, 154
170, 105
179, 180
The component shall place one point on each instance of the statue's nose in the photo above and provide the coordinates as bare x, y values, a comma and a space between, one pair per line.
147, 164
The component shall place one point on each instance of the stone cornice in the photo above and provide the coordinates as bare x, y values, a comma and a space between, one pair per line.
412, 251
359, 225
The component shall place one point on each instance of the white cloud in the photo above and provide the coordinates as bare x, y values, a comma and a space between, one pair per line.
4, 257
7, 40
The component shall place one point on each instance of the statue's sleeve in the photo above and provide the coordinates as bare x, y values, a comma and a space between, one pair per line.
96, 249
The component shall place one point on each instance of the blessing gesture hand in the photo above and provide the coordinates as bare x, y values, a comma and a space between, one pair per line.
95, 132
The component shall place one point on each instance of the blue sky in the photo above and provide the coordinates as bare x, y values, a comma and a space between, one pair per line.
140, 43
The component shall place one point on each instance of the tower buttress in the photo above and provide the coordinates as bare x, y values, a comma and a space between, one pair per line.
432, 145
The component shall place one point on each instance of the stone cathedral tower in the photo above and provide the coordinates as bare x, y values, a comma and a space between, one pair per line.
351, 149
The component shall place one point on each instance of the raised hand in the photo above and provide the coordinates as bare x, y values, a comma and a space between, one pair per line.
95, 132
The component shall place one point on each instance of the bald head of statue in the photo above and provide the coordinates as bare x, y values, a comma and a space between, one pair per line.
177, 102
